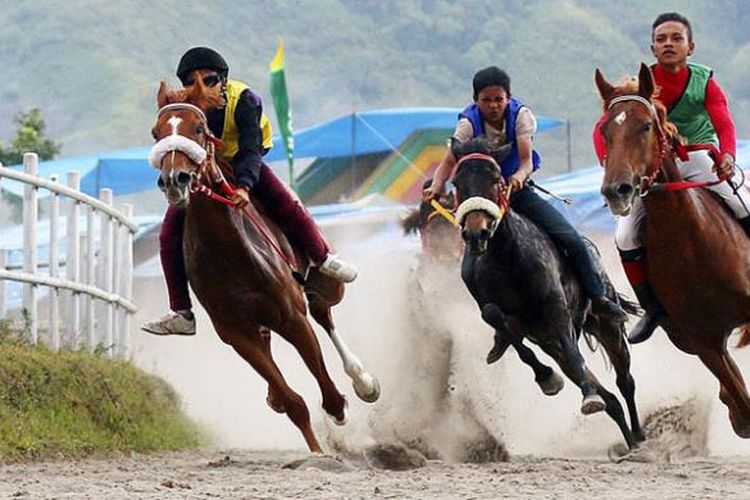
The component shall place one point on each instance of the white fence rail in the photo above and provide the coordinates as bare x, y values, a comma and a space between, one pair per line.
95, 294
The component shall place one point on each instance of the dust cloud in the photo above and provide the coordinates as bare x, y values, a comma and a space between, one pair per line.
419, 332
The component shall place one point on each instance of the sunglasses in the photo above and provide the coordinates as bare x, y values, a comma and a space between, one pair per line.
210, 80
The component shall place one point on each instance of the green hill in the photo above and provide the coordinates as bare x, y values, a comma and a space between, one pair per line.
93, 67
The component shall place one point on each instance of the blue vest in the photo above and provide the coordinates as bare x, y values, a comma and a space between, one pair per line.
510, 164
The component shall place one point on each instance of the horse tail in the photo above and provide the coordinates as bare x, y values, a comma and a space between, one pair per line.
629, 306
411, 222
744, 336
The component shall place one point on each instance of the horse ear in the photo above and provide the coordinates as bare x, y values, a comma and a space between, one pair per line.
605, 88
162, 98
645, 82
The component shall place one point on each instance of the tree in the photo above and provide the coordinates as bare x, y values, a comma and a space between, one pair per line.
29, 138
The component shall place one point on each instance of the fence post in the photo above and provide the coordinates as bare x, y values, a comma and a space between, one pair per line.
105, 262
72, 266
126, 289
54, 264
3, 285
30, 212
90, 278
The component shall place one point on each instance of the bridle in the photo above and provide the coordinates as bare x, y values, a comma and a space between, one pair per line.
495, 208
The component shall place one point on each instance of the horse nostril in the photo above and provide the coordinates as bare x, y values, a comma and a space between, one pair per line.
625, 188
183, 179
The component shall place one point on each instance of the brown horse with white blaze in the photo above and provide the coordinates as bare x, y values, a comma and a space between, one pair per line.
698, 255
240, 265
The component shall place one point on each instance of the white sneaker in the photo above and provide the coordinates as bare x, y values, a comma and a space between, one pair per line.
339, 269
172, 323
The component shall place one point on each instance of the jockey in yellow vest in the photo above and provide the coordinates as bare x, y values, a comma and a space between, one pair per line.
245, 132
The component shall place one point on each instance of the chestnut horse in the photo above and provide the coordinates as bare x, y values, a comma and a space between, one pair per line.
698, 255
240, 265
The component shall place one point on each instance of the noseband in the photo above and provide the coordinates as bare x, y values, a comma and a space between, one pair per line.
198, 153
496, 210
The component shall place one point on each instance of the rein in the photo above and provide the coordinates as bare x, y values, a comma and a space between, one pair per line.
648, 182
227, 190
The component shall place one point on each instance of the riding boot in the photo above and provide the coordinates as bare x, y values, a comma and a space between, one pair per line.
745, 223
653, 315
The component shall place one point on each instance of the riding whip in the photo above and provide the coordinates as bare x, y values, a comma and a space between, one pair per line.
564, 199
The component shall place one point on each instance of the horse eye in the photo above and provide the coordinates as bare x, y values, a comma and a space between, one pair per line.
646, 127
153, 133
199, 130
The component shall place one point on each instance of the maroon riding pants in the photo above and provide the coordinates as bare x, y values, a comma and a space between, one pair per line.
287, 210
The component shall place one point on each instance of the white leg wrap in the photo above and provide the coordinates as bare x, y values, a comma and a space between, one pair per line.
365, 385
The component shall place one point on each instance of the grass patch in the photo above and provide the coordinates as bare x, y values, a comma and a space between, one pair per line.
74, 403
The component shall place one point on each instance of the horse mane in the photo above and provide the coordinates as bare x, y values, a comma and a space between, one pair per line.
628, 85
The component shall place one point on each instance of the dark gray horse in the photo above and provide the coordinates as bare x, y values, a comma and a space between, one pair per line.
525, 288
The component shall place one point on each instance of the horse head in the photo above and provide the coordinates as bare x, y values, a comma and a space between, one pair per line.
480, 193
184, 143
637, 136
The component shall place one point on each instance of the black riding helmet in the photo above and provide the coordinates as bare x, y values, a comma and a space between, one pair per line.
201, 58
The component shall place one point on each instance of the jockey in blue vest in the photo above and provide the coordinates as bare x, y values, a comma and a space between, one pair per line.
506, 123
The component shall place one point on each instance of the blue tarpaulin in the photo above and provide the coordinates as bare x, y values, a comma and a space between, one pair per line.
127, 171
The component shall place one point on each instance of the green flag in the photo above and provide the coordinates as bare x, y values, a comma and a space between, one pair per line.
283, 109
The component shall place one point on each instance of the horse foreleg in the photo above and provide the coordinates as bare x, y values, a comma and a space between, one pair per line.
300, 334
733, 392
619, 355
365, 385
252, 350
550, 382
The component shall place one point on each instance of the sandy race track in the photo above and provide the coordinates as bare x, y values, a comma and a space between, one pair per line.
441, 407
245, 474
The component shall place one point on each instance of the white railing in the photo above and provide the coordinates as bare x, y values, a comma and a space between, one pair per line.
96, 291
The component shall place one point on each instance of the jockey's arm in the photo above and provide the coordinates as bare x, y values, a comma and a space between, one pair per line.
525, 168
442, 172
717, 107
247, 160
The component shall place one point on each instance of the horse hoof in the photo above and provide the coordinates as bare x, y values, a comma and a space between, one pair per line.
593, 403
552, 385
369, 393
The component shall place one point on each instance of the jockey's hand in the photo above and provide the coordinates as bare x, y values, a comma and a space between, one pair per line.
433, 193
241, 197
517, 181
725, 168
